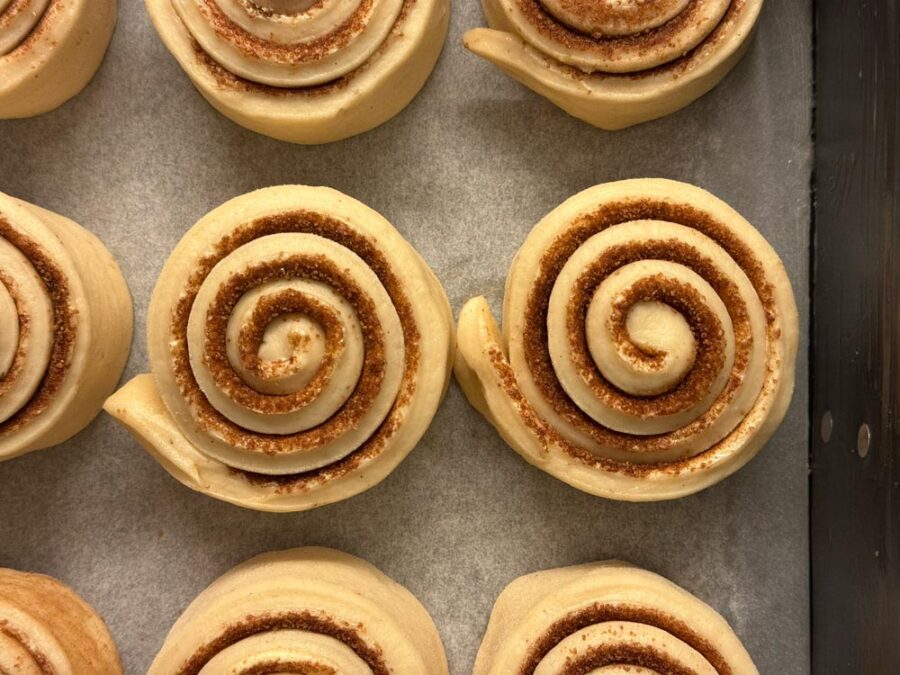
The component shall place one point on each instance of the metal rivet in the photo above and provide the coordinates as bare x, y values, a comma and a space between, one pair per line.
827, 426
863, 440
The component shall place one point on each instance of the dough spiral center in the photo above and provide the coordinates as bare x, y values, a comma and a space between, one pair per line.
643, 343
278, 344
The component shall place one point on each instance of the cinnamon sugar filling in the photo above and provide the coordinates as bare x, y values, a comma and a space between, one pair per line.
535, 340
300, 221
547, 435
304, 621
227, 80
549, 26
705, 326
602, 613
632, 15
535, 344
608, 46
13, 9
257, 9
8, 379
314, 268
269, 50
38, 657
65, 328
276, 305
625, 654
283, 667
40, 28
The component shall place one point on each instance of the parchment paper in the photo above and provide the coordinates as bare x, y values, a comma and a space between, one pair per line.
464, 173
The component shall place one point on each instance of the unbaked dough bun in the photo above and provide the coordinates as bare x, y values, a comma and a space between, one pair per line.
607, 618
305, 611
65, 327
648, 344
615, 63
305, 71
47, 629
299, 348
49, 51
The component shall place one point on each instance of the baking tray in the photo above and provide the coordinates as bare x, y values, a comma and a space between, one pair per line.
464, 173
855, 486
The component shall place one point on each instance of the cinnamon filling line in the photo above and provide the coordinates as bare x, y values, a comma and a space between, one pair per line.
269, 50
331, 228
705, 326
27, 45
315, 268
607, 46
552, 28
351, 636
250, 340
38, 657
627, 654
228, 80
536, 346
65, 328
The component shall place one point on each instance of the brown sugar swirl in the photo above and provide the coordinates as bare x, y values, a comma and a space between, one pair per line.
575, 620
623, 37
304, 621
649, 342
305, 611
35, 355
300, 352
282, 67
290, 362
309, 46
262, 46
251, 341
614, 63
51, 343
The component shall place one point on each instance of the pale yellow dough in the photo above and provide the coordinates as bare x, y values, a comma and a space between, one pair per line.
615, 64
648, 346
306, 415
45, 627
49, 51
307, 72
306, 610
66, 317
610, 618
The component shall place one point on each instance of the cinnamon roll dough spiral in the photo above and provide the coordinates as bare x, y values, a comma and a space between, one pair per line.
305, 611
47, 629
305, 71
609, 618
615, 63
49, 51
299, 348
648, 345
65, 327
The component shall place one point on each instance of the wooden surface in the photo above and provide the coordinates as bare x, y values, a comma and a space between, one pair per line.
855, 501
